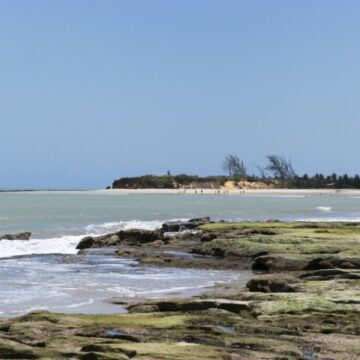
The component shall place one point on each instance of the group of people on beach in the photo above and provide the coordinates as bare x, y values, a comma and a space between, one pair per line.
201, 192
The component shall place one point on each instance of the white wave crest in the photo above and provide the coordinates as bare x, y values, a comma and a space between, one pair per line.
114, 226
61, 245
324, 208
67, 244
123, 225
91, 301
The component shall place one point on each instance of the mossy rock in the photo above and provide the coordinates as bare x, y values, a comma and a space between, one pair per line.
13, 350
272, 283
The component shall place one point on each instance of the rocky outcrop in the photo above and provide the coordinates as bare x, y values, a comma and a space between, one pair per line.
176, 226
208, 237
128, 237
332, 263
235, 306
13, 350
19, 236
330, 274
139, 237
272, 283
276, 263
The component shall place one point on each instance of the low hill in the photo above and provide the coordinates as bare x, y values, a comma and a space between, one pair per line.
184, 181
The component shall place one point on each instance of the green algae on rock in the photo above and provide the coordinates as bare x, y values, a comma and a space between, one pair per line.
306, 296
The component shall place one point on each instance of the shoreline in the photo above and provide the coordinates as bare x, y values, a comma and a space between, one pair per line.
301, 298
223, 191
239, 192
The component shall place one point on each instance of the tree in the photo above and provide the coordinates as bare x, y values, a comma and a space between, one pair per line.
280, 167
234, 166
357, 181
262, 172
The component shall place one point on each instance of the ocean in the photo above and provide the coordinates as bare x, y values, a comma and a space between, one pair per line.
46, 272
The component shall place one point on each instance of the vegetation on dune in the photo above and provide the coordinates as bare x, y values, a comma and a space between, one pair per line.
169, 182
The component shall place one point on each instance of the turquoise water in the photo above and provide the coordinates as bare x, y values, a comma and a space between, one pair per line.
54, 214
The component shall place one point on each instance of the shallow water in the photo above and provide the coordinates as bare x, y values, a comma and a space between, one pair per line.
74, 283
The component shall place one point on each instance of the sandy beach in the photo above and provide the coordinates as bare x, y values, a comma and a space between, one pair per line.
252, 192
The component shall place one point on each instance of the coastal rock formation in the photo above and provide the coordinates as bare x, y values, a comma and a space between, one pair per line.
286, 315
139, 236
13, 350
330, 274
333, 262
176, 226
19, 236
129, 237
277, 263
234, 306
272, 283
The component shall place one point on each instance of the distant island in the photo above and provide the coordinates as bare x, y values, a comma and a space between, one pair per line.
183, 181
278, 174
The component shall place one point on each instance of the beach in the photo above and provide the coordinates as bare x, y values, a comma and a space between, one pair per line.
226, 191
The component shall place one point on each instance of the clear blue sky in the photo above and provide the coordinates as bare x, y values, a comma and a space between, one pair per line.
95, 90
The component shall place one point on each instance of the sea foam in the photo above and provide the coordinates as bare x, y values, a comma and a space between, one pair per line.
123, 225
67, 244
61, 245
324, 208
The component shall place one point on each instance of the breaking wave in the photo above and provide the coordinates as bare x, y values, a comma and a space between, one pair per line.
60, 245
67, 244
324, 208
123, 225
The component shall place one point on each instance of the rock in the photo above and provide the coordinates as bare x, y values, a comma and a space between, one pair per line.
333, 262
100, 356
130, 237
208, 237
176, 226
259, 253
19, 236
40, 315
114, 239
329, 274
144, 308
34, 343
107, 349
257, 232
119, 334
13, 350
140, 236
306, 225
272, 283
276, 263
190, 305
156, 243
86, 242
156, 260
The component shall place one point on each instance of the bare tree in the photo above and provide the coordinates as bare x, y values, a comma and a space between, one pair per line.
280, 167
262, 171
234, 166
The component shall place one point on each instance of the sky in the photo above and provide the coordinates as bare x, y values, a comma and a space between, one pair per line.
91, 91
